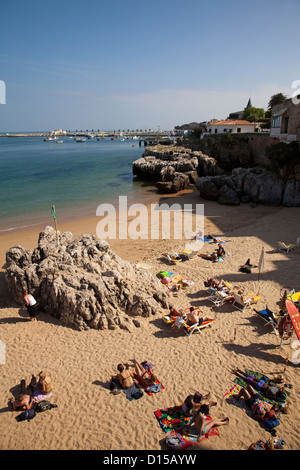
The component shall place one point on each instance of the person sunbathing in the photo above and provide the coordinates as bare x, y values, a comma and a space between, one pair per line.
203, 425
144, 374
193, 402
23, 402
247, 298
195, 316
264, 385
124, 376
174, 312
252, 401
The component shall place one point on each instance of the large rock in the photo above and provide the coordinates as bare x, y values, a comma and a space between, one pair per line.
173, 168
83, 282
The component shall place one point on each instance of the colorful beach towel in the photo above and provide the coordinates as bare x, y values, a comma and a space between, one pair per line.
259, 376
231, 398
173, 418
188, 437
151, 389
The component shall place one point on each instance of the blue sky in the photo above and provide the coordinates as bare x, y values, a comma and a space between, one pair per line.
134, 64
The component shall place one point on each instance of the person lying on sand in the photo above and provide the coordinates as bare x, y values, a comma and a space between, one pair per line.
144, 374
252, 401
23, 402
266, 387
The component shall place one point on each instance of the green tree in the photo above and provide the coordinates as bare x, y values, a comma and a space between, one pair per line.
254, 114
276, 99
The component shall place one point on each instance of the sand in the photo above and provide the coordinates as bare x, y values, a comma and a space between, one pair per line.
81, 364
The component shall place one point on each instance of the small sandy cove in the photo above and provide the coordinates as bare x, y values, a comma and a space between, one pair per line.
81, 363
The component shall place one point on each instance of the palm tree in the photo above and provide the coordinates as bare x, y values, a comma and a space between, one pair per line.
276, 99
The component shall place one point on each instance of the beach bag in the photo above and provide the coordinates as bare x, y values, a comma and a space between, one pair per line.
258, 445
174, 441
26, 415
44, 405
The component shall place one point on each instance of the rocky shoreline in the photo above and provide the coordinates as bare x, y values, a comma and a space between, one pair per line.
175, 168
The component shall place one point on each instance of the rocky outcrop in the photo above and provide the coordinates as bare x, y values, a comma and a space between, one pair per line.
250, 185
173, 168
83, 282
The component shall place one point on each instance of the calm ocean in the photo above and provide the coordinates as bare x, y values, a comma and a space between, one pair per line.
74, 176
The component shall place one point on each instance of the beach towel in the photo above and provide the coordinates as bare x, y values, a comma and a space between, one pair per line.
152, 389
173, 418
188, 437
39, 396
260, 376
231, 398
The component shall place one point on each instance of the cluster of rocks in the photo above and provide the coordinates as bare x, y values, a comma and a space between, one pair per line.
173, 168
250, 185
83, 282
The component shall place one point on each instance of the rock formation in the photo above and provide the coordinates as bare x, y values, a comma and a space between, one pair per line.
173, 168
250, 185
83, 282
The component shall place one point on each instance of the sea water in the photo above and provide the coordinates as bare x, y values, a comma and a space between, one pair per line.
73, 176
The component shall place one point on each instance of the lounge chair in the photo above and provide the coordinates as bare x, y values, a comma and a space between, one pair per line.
285, 248
294, 297
173, 258
189, 254
219, 297
190, 329
269, 318
239, 304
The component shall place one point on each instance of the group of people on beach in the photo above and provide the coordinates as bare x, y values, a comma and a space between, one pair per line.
37, 390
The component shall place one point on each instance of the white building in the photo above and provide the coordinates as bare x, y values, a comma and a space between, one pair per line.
229, 126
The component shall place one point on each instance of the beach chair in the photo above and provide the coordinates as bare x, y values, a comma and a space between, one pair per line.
190, 329
294, 297
173, 258
219, 297
269, 318
189, 254
238, 302
285, 248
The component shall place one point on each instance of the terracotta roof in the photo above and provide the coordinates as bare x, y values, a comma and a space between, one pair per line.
229, 122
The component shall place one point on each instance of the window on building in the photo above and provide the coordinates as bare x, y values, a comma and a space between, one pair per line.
239, 129
216, 131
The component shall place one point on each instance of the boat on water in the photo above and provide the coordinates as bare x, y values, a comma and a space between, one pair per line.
47, 139
80, 139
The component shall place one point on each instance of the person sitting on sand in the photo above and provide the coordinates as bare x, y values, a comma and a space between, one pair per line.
44, 385
195, 316
203, 425
124, 376
220, 251
193, 402
31, 306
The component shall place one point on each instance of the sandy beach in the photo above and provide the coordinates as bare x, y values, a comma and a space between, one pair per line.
81, 363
